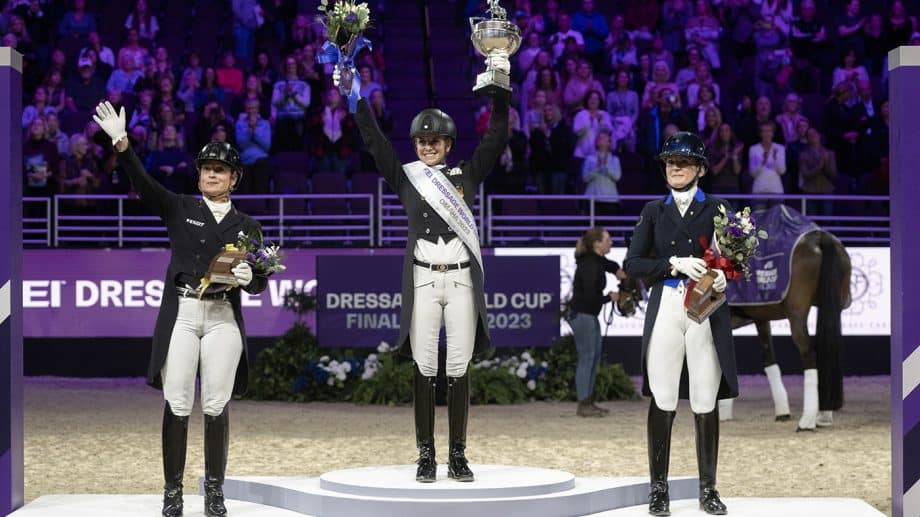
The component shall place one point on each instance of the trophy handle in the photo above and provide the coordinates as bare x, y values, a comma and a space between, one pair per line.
473, 20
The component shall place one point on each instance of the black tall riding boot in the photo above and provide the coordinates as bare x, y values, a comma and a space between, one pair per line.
427, 470
216, 446
707, 455
458, 414
175, 436
659, 455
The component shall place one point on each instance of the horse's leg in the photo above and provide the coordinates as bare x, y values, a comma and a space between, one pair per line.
798, 325
774, 375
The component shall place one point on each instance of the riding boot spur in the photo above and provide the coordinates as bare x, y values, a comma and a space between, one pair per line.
659, 427
175, 439
458, 413
424, 388
707, 455
216, 447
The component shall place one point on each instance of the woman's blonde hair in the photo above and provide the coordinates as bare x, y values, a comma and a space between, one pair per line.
585, 244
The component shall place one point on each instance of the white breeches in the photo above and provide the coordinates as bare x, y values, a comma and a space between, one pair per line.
205, 336
446, 297
675, 336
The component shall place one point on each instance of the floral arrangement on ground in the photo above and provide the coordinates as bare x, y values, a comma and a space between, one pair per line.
297, 369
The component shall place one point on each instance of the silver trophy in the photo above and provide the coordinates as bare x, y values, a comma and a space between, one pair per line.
497, 39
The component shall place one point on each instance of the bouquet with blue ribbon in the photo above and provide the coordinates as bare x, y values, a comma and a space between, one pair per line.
345, 22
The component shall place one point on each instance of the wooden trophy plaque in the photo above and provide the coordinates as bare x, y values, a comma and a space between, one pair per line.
219, 270
701, 299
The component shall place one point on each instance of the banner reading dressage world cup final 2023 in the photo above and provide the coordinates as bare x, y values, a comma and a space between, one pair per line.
360, 299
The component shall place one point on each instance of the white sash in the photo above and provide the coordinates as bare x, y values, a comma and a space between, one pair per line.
444, 199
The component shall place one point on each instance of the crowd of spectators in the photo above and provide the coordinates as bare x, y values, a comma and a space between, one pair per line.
789, 94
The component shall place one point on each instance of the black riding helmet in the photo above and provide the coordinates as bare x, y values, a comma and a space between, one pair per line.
684, 144
433, 122
222, 152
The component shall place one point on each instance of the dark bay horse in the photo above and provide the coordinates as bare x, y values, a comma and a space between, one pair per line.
820, 277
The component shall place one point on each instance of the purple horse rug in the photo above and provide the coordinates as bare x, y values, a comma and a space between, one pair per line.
771, 267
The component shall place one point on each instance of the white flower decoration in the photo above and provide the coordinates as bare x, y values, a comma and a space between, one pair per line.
531, 384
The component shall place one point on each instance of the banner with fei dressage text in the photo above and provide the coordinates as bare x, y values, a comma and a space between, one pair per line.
360, 299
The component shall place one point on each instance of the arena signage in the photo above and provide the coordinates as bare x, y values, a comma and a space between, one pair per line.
360, 300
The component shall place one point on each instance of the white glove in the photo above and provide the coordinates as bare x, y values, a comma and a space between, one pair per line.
243, 273
111, 122
500, 62
693, 267
336, 77
720, 283
342, 81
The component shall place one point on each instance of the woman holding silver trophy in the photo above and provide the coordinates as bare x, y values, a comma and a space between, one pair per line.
442, 280
198, 329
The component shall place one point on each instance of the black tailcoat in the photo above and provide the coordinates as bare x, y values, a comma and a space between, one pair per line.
424, 222
660, 234
194, 239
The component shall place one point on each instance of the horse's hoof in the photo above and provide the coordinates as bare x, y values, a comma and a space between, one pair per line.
783, 418
804, 429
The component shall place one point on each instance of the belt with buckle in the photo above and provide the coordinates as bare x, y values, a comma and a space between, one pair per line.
193, 293
441, 268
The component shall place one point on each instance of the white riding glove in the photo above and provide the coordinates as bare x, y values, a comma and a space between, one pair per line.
720, 283
111, 122
500, 62
342, 83
693, 267
243, 273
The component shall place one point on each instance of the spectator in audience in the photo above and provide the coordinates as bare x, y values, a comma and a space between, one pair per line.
384, 118
168, 161
899, 26
24, 40
703, 77
125, 76
77, 23
702, 32
780, 11
254, 137
229, 77
789, 119
302, 33
533, 117
265, 71
876, 42
209, 91
165, 115
810, 43
142, 115
687, 74
748, 125
39, 181
623, 106
653, 124
772, 55
38, 108
578, 88
641, 17
163, 63
643, 75
725, 161
86, 89
59, 64
290, 100
313, 73
552, 144
658, 52
767, 163
675, 14
38, 27
817, 173
601, 172
38, 152
188, 89
193, 64
794, 146
842, 120
143, 22
510, 174
623, 54
167, 96
54, 134
252, 91
527, 54
548, 82
557, 40
590, 120
593, 27
876, 152
80, 174
148, 79
712, 119
54, 86
850, 25
134, 48
103, 69
660, 84
248, 16
588, 299
850, 73
104, 53
367, 80
333, 135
